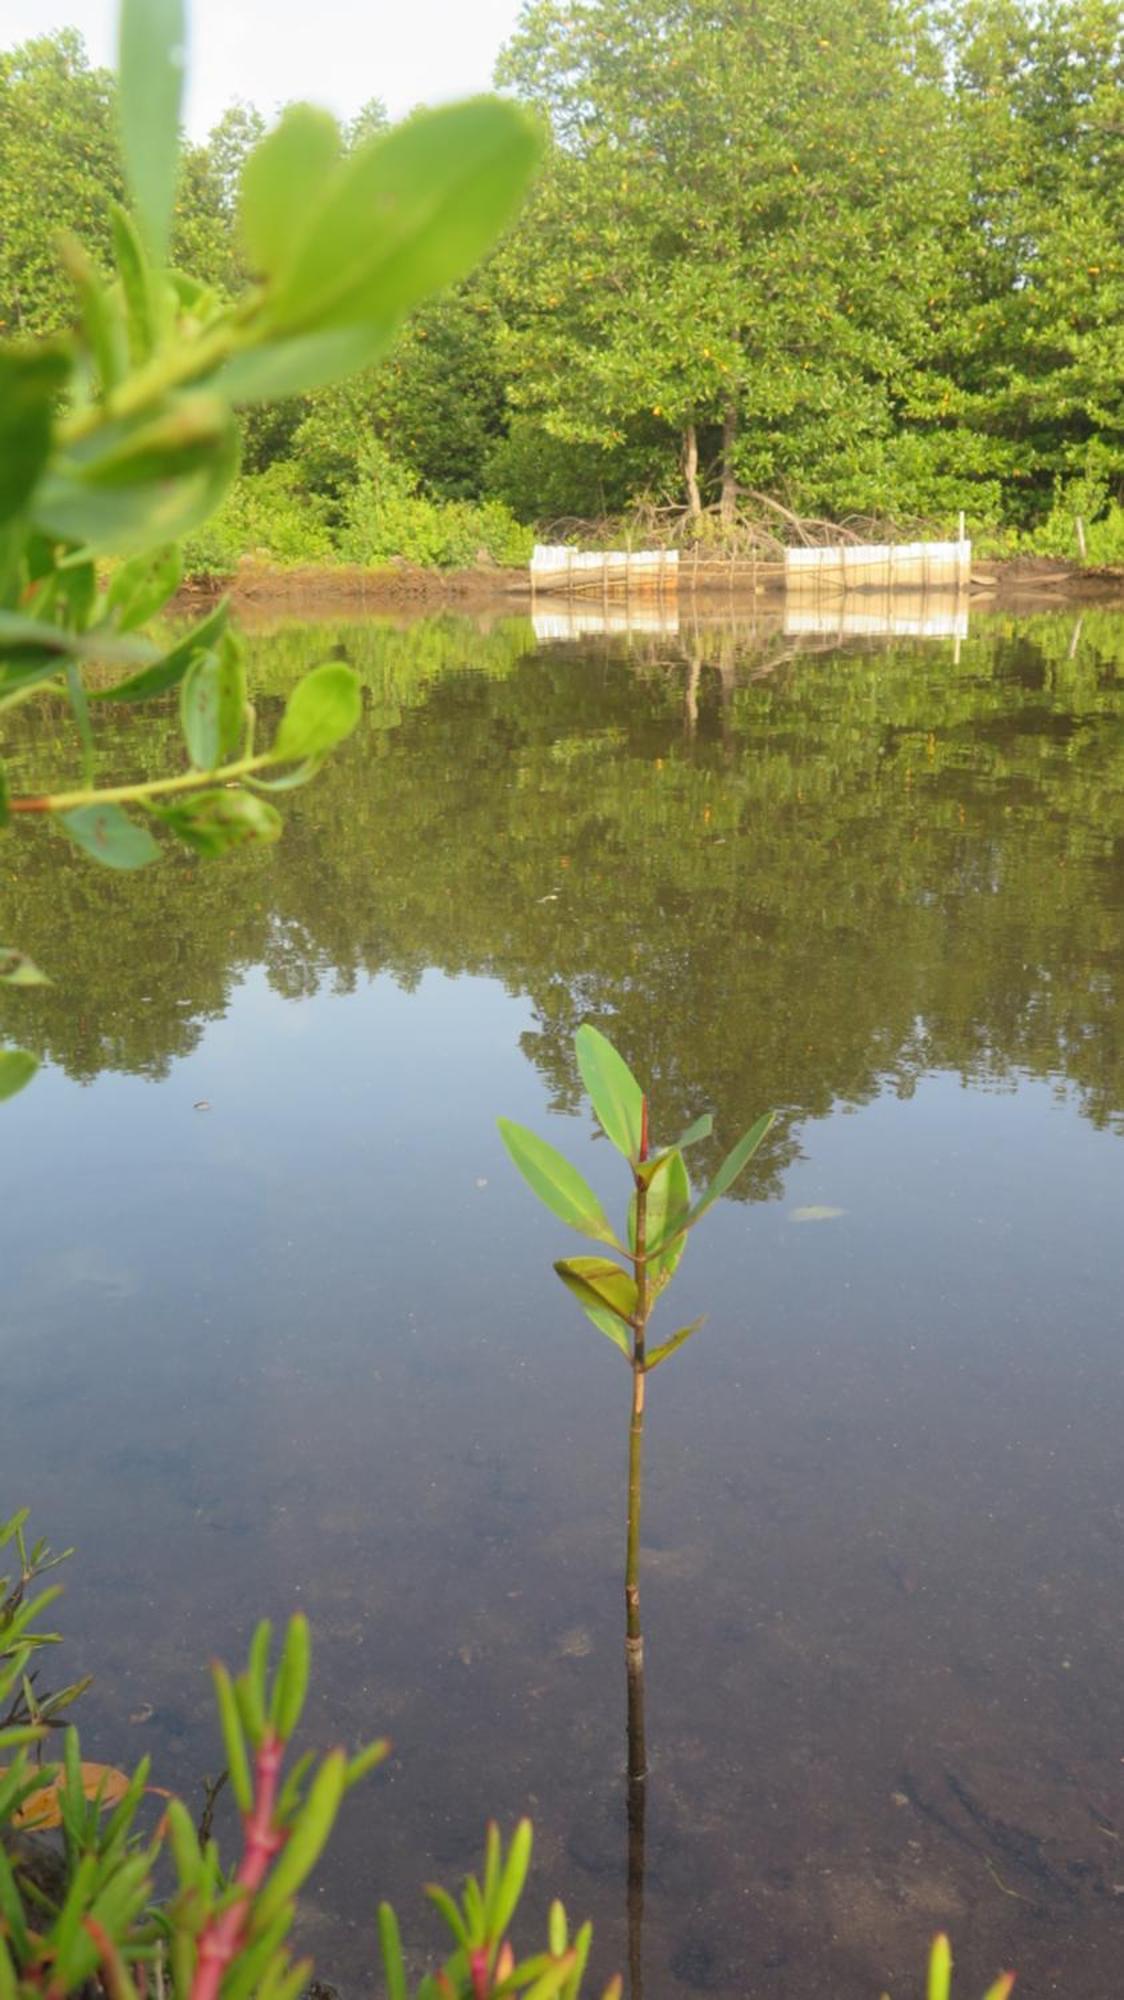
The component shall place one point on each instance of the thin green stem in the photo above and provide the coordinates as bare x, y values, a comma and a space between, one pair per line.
54, 802
173, 369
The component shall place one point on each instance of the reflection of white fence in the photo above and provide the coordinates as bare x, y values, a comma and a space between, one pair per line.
566, 622
916, 566
608, 572
901, 615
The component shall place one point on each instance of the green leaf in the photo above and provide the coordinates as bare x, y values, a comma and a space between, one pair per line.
169, 671
1003, 1987
108, 835
214, 822
441, 1900
307, 1838
5, 798
102, 315
144, 485
11, 554
559, 1186
181, 438
31, 379
213, 704
734, 1163
555, 1980
291, 780
669, 1197
403, 216
283, 368
940, 1969
512, 1880
16, 680
140, 588
16, 969
613, 1090
607, 1323
282, 180
137, 287
27, 642
150, 78
669, 1346
233, 1736
366, 1760
647, 1170
390, 1943
80, 709
323, 708
701, 1129
291, 1686
250, 1687
678, 1222
77, 591
581, 1949
17, 1067
598, 1281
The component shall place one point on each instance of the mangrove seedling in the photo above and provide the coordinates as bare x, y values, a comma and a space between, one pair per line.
620, 1300
620, 1297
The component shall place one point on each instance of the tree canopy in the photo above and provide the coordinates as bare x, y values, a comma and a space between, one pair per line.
865, 258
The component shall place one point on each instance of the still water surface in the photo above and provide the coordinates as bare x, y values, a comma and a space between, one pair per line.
279, 1326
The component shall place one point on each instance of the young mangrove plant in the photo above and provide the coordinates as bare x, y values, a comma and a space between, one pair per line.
619, 1298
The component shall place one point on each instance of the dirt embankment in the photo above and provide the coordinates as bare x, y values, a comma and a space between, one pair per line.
1021, 583
401, 587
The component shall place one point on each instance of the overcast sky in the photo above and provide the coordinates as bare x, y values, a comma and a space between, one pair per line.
333, 52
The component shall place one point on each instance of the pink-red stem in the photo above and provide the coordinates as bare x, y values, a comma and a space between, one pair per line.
222, 1937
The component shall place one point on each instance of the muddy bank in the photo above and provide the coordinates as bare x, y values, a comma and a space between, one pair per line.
399, 587
1016, 583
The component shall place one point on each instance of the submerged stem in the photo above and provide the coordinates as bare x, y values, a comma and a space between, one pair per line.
634, 1639
634, 1642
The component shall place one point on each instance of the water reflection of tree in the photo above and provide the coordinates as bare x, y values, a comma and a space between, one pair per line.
837, 874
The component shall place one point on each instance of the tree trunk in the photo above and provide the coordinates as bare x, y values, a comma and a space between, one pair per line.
728, 504
691, 471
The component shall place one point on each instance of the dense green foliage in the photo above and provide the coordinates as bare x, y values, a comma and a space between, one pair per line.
863, 258
119, 438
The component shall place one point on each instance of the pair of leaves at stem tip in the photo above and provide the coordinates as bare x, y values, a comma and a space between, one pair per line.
607, 1293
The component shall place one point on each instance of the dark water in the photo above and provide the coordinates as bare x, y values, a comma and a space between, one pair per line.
304, 1346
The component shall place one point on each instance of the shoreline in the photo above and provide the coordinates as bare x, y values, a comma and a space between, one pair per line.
1017, 583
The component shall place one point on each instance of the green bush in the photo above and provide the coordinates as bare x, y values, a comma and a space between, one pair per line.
386, 519
266, 514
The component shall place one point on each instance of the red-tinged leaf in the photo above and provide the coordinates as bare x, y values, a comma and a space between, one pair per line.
598, 1281
669, 1346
